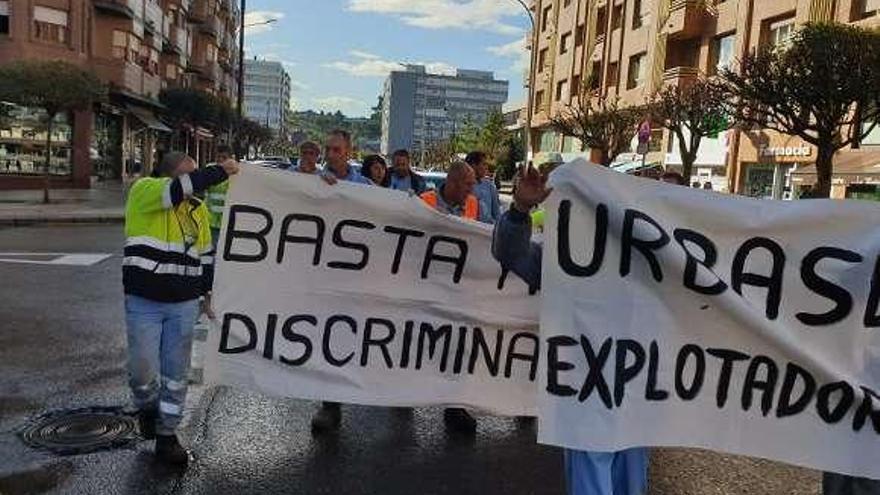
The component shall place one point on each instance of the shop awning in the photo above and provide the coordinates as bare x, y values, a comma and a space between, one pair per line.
848, 163
148, 118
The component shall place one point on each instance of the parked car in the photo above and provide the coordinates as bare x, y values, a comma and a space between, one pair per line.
433, 179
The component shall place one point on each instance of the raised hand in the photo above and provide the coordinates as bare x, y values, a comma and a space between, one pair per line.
531, 189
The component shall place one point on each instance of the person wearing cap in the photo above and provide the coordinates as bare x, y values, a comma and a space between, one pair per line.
586, 472
309, 152
168, 266
485, 189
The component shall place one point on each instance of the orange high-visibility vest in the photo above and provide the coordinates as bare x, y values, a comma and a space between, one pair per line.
471, 204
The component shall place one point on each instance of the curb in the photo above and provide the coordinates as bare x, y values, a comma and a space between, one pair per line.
24, 221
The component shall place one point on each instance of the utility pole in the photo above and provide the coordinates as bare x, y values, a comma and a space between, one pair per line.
530, 104
240, 105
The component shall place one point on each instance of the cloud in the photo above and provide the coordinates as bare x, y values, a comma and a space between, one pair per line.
486, 15
345, 104
255, 21
370, 65
363, 55
515, 49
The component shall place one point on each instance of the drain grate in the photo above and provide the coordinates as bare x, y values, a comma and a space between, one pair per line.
81, 431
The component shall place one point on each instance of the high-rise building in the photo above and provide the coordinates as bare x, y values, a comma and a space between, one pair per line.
420, 109
628, 49
136, 47
267, 93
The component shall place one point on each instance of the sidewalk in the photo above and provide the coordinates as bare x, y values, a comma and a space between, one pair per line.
102, 204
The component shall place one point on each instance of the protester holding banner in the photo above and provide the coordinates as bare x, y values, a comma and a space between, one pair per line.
309, 152
485, 189
168, 266
215, 196
337, 159
337, 168
587, 473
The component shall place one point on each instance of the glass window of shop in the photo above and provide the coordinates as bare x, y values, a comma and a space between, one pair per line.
106, 147
23, 142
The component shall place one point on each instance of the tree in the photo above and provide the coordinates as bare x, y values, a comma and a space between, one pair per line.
821, 86
439, 155
493, 135
467, 138
53, 86
691, 113
251, 134
512, 152
599, 123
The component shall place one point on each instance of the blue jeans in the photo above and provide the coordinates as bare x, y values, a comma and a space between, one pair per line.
159, 347
607, 473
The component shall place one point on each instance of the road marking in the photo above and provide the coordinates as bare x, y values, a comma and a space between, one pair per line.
63, 259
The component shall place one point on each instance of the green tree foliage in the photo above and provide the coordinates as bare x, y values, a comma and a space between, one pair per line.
820, 86
691, 113
55, 87
600, 123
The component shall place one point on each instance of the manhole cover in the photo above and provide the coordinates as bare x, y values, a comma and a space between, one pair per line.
80, 431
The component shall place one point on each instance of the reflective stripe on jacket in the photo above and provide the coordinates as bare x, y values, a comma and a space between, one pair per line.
168, 255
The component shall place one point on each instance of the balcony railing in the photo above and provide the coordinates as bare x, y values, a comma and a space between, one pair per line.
686, 18
124, 8
680, 76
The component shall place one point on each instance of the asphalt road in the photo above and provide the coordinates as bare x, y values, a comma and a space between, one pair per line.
62, 346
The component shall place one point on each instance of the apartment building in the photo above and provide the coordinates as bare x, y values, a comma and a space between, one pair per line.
420, 108
137, 47
267, 93
631, 48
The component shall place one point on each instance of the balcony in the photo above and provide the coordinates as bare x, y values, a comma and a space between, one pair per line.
198, 12
122, 8
686, 19
211, 26
176, 43
153, 18
209, 71
680, 76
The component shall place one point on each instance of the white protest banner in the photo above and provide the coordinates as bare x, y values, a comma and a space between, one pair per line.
676, 317
359, 294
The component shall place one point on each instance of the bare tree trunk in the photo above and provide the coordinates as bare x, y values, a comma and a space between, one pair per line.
46, 183
824, 169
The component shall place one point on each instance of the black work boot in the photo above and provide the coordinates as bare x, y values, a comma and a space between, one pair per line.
327, 418
169, 451
147, 423
460, 421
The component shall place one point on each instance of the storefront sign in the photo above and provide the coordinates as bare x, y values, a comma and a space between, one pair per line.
786, 151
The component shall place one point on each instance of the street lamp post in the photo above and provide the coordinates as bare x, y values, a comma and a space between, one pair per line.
530, 106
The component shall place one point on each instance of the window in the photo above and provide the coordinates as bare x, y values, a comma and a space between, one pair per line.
865, 8
564, 43
576, 88
635, 75
611, 79
23, 143
722, 52
617, 17
601, 20
171, 72
779, 32
134, 48
561, 89
545, 19
638, 15
542, 59
4, 17
579, 35
596, 75
120, 44
50, 24
539, 100
566, 3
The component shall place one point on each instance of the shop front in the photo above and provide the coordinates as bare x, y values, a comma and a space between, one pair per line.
23, 141
856, 175
767, 161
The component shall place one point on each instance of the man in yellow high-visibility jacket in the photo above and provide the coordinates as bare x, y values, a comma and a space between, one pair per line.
168, 267
215, 196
